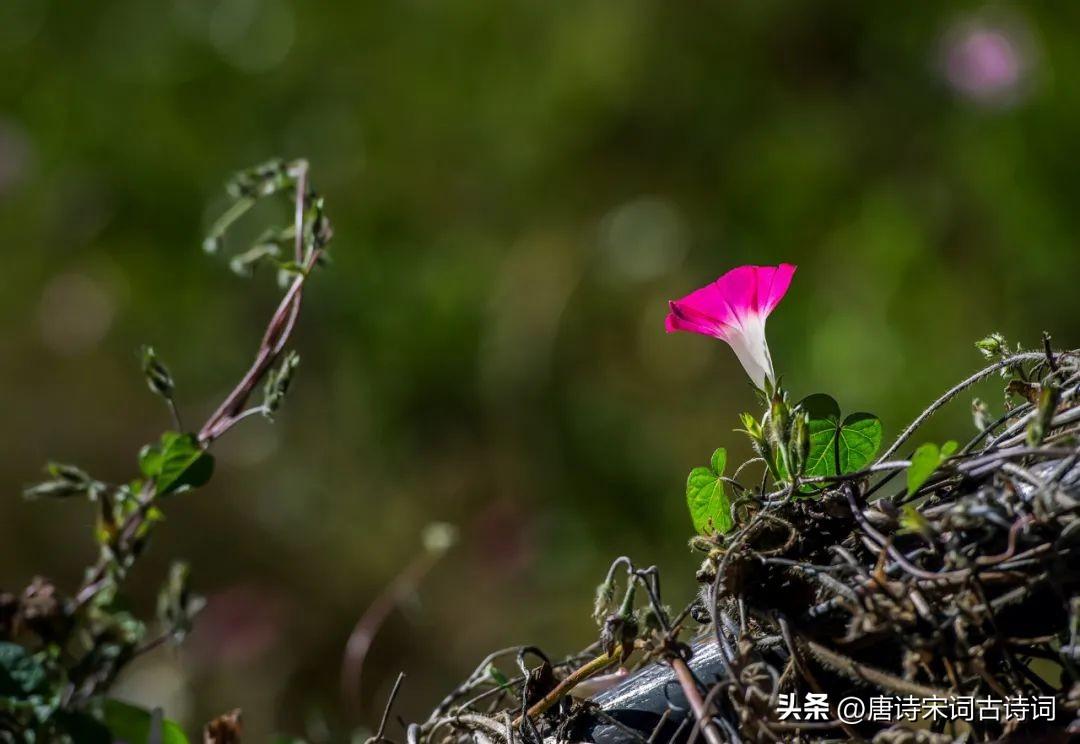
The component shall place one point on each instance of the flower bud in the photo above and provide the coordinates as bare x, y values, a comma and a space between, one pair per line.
980, 414
750, 425
158, 378
778, 422
992, 346
1044, 416
800, 442
605, 595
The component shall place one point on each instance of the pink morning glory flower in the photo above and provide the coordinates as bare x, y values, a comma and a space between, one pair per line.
734, 309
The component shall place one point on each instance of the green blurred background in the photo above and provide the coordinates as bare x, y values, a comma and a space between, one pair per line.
517, 189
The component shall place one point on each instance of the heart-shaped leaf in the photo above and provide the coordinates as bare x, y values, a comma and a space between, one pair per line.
927, 458
706, 498
838, 447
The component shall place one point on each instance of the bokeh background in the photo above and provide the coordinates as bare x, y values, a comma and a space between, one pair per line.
517, 189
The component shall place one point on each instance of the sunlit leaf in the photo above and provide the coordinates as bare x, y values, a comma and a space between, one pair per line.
132, 725
927, 458
706, 497
838, 447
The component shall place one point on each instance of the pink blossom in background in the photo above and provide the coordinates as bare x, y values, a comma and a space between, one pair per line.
734, 309
988, 62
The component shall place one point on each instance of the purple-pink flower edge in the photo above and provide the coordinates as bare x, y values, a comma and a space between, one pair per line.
734, 309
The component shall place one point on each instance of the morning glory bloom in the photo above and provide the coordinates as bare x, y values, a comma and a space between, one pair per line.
734, 309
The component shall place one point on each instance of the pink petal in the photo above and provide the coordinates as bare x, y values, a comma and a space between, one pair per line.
724, 304
755, 289
705, 307
773, 283
686, 317
739, 289
734, 308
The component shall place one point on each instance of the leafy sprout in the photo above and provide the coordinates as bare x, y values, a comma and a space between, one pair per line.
49, 695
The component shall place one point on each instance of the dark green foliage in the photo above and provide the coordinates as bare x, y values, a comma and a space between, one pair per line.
20, 674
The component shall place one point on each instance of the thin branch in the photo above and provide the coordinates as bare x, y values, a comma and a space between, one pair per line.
952, 393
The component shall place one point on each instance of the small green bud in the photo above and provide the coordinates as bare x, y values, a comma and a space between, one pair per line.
65, 481
980, 414
157, 375
800, 442
750, 426
702, 543
778, 421
1044, 416
992, 346
177, 605
68, 473
277, 383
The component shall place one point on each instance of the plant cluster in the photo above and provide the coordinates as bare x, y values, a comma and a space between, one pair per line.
828, 574
831, 574
60, 653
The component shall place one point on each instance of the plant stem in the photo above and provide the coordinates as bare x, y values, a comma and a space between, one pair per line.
697, 704
277, 331
571, 681
952, 393
356, 649
231, 410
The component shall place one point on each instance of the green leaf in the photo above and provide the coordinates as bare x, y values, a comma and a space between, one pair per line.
838, 447
927, 458
65, 480
497, 676
178, 462
706, 498
132, 725
20, 673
